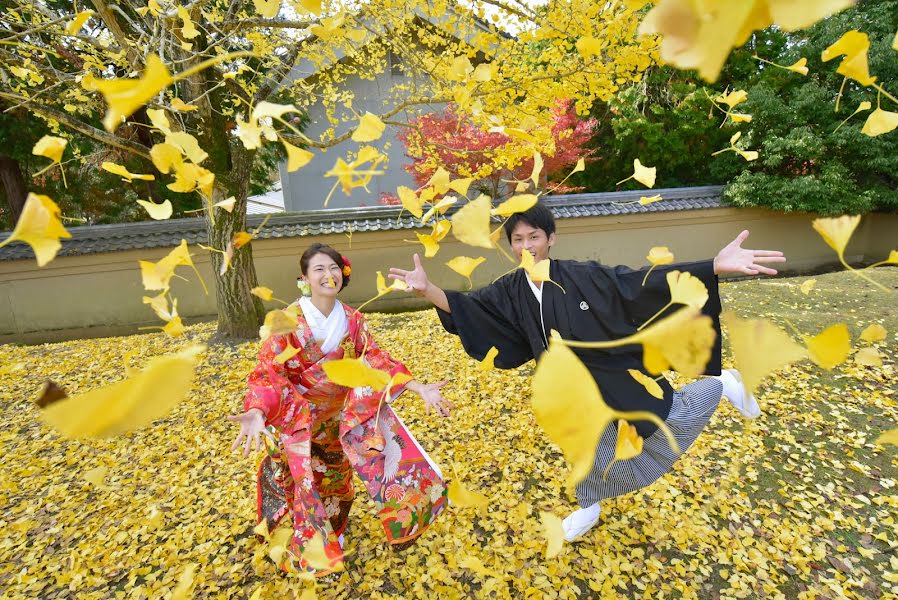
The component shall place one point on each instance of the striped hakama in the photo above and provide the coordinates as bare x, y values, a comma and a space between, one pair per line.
692, 407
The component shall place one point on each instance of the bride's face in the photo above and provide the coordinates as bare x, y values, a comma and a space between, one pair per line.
324, 276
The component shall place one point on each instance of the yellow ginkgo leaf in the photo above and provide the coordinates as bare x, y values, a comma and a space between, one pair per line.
588, 46
262, 292
807, 286
188, 145
262, 529
874, 333
439, 207
159, 304
297, 157
472, 563
158, 212
564, 391
410, 200
537, 168
732, 98
174, 328
97, 476
188, 30
830, 347
461, 186
39, 227
489, 361
439, 181
554, 533
156, 275
462, 497
181, 106
185, 582
580, 166
682, 341
51, 147
650, 199
888, 437
124, 96
879, 122
660, 255
459, 68
759, 348
650, 385
869, 357
370, 128
129, 404
309, 6
278, 322
314, 553
227, 204
740, 118
278, 543
854, 45
642, 174
267, 8
837, 231
124, 173
265, 109
515, 204
471, 224
628, 445
431, 246
166, 157
800, 66
286, 354
75, 25
483, 72
686, 288
464, 266
353, 373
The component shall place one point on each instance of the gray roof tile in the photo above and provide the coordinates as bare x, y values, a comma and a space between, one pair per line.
160, 234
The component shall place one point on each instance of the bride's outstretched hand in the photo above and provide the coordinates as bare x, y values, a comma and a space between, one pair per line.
416, 279
733, 258
252, 427
433, 398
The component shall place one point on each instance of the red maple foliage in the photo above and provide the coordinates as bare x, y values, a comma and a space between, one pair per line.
463, 148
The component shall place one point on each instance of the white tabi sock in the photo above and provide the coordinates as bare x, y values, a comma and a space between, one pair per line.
341, 539
735, 392
581, 521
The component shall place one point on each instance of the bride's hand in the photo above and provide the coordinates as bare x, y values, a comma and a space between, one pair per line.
252, 427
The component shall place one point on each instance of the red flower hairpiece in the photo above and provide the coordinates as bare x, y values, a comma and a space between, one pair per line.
347, 266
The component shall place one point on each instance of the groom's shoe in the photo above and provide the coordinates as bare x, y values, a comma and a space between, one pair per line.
747, 405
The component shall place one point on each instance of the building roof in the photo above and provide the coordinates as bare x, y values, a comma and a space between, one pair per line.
165, 234
269, 202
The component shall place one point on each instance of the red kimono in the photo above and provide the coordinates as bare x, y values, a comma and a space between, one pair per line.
325, 431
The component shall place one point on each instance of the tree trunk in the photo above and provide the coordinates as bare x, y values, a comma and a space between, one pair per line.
239, 312
14, 185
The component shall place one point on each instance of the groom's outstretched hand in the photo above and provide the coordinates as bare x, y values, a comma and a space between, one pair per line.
733, 258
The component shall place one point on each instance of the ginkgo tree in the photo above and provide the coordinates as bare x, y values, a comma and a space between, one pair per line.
193, 90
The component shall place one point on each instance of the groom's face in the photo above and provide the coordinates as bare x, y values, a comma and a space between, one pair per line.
526, 238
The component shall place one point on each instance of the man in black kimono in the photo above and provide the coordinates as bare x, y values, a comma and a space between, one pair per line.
516, 314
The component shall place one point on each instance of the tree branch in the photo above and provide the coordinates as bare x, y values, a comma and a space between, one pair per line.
228, 26
105, 14
89, 130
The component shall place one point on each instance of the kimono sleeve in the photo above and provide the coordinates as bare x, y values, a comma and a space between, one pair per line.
641, 302
483, 319
375, 356
270, 388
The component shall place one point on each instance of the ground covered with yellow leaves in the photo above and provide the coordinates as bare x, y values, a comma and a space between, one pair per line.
800, 503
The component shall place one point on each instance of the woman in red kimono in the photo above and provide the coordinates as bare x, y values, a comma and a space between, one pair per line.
324, 431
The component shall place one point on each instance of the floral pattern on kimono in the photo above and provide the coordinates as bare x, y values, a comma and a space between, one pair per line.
325, 431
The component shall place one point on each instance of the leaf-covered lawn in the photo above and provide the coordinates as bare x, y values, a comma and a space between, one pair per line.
798, 504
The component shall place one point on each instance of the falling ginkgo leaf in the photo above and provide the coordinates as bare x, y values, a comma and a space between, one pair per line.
799, 66
181, 106
759, 348
124, 96
644, 175
657, 256
410, 200
279, 322
75, 25
370, 128
685, 288
158, 212
807, 286
650, 199
50, 147
227, 205
297, 157
873, 333
156, 276
564, 391
888, 437
488, 361
537, 168
39, 227
286, 354
124, 173
628, 445
353, 373
471, 224
869, 357
879, 122
439, 207
650, 385
554, 533
515, 204
830, 347
465, 265
128, 404
853, 45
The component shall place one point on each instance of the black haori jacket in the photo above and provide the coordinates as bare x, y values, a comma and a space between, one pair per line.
598, 303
